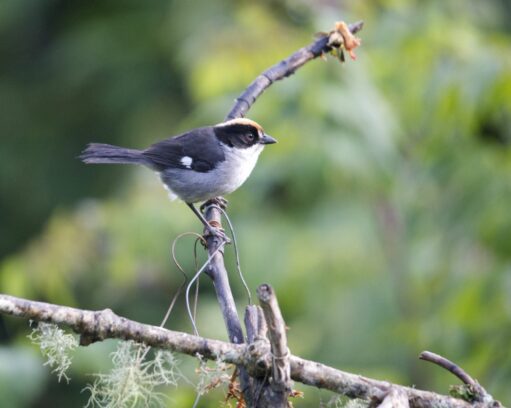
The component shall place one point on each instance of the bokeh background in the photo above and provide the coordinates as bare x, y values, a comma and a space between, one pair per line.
382, 217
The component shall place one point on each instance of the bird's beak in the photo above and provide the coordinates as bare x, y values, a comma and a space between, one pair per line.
267, 139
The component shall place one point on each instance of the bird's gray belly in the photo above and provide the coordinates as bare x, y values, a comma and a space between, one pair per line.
192, 187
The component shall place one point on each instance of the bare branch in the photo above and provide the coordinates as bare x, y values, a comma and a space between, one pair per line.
448, 365
287, 67
475, 390
105, 324
281, 373
218, 274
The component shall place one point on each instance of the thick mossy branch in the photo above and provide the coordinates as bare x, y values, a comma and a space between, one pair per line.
255, 357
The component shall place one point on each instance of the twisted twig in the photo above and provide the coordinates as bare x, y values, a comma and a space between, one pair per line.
477, 392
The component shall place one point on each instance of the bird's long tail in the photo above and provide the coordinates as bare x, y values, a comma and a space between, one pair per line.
105, 153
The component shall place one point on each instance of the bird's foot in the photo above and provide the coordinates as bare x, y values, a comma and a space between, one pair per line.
219, 201
218, 232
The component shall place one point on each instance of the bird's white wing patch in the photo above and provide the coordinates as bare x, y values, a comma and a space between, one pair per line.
186, 161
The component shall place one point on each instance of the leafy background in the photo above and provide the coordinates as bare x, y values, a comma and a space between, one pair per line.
382, 218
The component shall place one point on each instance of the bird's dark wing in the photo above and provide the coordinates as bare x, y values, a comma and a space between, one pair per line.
198, 150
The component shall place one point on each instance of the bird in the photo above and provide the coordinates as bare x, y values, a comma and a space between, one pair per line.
202, 164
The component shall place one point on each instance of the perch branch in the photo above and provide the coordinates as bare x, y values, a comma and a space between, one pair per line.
105, 324
218, 274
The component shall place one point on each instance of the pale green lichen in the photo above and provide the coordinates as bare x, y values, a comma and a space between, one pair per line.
56, 346
463, 391
133, 380
356, 403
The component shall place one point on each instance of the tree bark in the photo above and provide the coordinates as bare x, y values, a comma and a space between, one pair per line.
256, 357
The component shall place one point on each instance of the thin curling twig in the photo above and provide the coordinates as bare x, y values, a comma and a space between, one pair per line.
448, 365
196, 295
478, 393
192, 281
181, 269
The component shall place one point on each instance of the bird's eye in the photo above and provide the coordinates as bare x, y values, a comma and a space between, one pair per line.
250, 137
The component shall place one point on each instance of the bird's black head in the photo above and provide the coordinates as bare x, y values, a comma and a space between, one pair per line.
242, 133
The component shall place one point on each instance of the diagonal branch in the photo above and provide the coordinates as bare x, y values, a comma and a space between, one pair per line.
287, 67
218, 274
105, 324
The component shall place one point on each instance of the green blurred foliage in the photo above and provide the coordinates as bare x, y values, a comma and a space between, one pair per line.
381, 218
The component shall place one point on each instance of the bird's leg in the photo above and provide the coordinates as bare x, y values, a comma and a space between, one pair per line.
220, 201
218, 232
